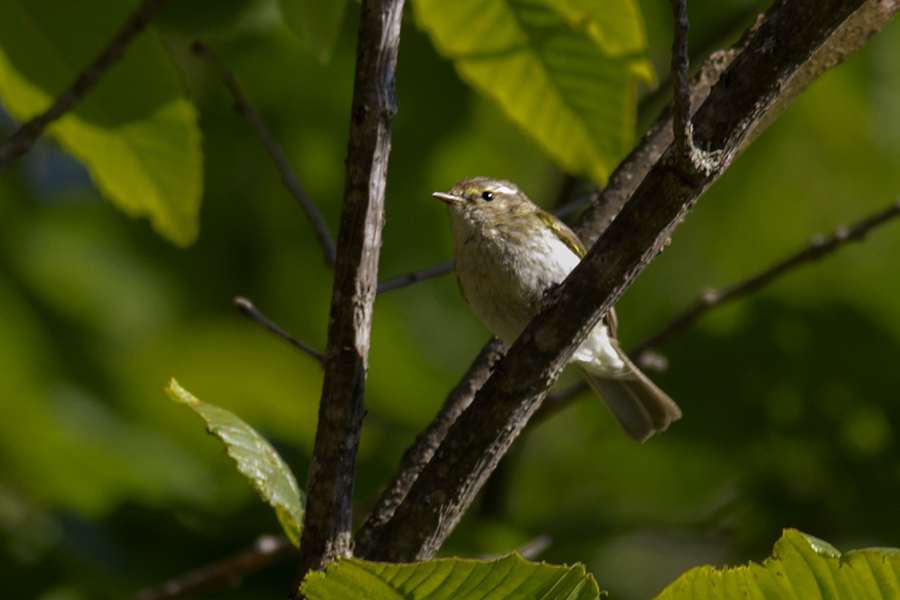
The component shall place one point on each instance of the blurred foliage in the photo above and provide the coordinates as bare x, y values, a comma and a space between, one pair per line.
792, 413
136, 131
318, 23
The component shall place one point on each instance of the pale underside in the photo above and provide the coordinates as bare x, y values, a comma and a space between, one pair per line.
506, 289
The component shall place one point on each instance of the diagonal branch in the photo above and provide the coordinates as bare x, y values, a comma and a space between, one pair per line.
790, 35
818, 249
288, 177
420, 453
643, 353
329, 485
23, 139
267, 551
246, 308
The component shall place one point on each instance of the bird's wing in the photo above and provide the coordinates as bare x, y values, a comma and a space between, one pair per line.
562, 231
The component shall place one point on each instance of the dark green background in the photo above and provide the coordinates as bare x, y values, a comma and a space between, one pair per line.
790, 398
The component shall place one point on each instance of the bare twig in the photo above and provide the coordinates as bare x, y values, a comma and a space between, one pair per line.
288, 177
329, 485
818, 249
418, 455
475, 443
24, 138
681, 113
643, 353
246, 308
417, 276
267, 551
632, 171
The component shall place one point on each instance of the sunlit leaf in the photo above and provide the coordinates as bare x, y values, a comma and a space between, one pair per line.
508, 578
801, 566
318, 22
136, 132
553, 67
616, 26
256, 460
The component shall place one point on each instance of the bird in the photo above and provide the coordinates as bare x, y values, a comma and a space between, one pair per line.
508, 254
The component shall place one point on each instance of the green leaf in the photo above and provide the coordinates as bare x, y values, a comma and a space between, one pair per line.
563, 70
616, 26
318, 22
510, 578
256, 460
801, 566
135, 131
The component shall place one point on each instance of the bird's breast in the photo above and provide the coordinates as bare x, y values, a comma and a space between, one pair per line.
504, 277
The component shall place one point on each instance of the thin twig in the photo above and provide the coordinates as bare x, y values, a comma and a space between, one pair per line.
246, 308
288, 177
681, 113
24, 138
818, 249
329, 484
631, 172
415, 277
418, 455
643, 354
267, 551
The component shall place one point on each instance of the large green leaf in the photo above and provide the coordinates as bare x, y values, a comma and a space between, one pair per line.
801, 566
318, 22
256, 460
508, 578
616, 26
135, 131
563, 70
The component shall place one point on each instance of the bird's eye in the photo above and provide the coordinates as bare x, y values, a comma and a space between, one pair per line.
487, 195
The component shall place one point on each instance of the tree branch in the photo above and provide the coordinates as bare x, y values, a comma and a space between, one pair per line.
24, 138
632, 171
421, 452
246, 308
329, 486
643, 353
790, 35
415, 277
288, 177
851, 36
681, 102
267, 551
817, 250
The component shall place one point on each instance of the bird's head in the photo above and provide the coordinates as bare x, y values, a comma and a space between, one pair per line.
483, 201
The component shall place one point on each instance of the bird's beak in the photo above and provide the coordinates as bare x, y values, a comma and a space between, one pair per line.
449, 198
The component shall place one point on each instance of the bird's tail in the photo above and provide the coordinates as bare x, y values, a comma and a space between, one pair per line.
640, 407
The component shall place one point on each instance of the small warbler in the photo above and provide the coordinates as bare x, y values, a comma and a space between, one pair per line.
508, 254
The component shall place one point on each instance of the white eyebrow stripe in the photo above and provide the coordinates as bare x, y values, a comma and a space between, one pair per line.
504, 189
